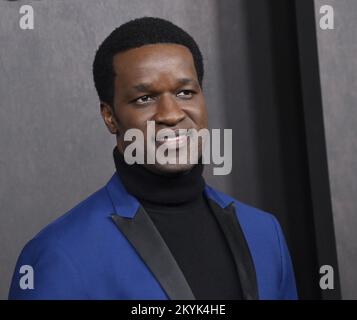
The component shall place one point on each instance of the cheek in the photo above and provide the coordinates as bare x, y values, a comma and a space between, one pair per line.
199, 115
127, 118
205, 116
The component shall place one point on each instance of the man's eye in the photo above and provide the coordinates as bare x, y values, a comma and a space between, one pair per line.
187, 94
144, 99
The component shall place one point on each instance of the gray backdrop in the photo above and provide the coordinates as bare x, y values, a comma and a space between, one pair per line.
338, 72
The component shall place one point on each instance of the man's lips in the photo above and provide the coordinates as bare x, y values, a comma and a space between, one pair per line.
173, 138
176, 142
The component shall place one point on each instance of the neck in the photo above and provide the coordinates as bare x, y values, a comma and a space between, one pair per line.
150, 187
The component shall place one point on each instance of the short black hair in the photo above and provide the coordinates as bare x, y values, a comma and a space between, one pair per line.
134, 34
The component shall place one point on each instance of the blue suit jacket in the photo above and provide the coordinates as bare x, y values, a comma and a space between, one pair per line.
108, 248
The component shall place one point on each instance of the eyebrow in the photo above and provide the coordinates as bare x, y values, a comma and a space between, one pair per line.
184, 81
145, 87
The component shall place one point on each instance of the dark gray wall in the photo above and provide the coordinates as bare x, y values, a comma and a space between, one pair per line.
55, 149
338, 73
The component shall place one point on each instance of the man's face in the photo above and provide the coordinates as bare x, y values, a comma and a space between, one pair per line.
158, 83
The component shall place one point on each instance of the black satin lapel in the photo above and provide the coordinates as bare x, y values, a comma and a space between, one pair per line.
239, 247
147, 241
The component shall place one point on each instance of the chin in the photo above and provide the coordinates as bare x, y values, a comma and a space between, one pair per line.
169, 169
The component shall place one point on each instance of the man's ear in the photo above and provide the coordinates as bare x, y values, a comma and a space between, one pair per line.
109, 117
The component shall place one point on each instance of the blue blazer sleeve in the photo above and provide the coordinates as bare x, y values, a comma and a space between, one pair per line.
55, 276
287, 284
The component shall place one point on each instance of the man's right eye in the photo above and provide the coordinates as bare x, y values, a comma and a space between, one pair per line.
143, 99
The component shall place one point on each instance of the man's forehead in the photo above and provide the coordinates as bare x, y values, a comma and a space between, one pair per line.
152, 55
150, 62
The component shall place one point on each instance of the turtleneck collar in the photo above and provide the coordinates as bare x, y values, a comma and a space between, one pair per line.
152, 188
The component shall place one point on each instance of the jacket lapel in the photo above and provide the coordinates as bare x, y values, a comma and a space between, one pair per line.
133, 221
231, 228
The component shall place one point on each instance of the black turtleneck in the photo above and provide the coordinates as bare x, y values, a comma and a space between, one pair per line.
178, 208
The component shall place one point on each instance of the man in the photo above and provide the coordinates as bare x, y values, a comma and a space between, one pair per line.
156, 230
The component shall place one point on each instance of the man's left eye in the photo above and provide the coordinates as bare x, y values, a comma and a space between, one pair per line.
185, 94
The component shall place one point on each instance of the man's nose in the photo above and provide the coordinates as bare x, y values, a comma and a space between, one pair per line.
168, 112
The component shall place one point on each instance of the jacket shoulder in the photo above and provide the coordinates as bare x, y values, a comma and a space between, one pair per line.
267, 246
78, 219
244, 211
58, 252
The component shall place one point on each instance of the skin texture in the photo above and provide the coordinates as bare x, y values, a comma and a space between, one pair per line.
156, 82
